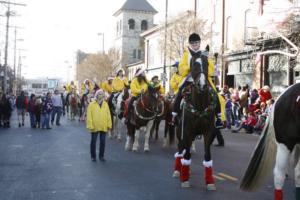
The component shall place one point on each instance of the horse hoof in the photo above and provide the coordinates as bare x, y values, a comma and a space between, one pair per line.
146, 150
185, 184
110, 137
211, 187
134, 149
176, 174
119, 139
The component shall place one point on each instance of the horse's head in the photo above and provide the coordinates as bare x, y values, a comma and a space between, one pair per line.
199, 72
152, 97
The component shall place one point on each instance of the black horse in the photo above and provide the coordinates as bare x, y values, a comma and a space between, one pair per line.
145, 110
282, 130
198, 117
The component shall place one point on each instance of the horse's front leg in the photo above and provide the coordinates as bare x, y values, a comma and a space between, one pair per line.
147, 136
282, 160
208, 163
136, 140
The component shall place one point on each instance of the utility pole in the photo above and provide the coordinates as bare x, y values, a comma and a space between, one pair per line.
6, 49
195, 8
164, 77
223, 45
8, 13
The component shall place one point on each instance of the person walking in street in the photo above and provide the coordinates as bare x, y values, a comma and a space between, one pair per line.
21, 104
31, 110
37, 111
98, 122
46, 111
57, 107
6, 110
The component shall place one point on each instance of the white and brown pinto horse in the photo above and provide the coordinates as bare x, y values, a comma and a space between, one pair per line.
145, 109
73, 101
281, 139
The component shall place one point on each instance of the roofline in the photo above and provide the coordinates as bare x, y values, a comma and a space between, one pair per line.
120, 10
151, 30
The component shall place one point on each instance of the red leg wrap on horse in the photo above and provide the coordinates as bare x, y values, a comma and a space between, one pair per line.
278, 195
209, 179
177, 166
185, 173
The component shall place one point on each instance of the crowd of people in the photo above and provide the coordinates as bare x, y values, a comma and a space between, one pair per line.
247, 108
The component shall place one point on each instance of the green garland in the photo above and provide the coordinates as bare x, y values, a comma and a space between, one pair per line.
213, 97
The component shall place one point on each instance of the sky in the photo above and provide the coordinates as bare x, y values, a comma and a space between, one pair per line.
53, 30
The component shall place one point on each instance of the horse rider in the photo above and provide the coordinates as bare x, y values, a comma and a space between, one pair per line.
193, 52
107, 85
176, 79
138, 85
70, 86
156, 83
86, 87
118, 84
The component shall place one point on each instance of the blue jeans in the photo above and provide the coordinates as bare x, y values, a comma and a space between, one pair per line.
46, 120
56, 111
94, 141
32, 120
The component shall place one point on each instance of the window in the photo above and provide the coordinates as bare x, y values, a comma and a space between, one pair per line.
131, 24
249, 26
144, 25
229, 33
139, 54
134, 53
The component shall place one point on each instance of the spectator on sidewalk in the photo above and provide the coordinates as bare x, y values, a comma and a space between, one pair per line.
228, 111
98, 122
264, 94
247, 124
57, 107
6, 110
46, 111
31, 110
21, 104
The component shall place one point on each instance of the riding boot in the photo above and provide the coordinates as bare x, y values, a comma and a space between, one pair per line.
278, 194
185, 170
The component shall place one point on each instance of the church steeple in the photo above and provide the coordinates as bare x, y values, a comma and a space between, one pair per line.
136, 5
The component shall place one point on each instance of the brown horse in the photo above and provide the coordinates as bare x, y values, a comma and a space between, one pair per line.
198, 118
145, 109
169, 131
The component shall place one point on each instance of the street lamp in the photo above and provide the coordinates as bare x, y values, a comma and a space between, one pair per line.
102, 34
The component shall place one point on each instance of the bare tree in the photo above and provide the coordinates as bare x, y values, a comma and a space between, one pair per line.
178, 31
99, 66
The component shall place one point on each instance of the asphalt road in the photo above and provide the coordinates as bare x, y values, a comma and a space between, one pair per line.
55, 164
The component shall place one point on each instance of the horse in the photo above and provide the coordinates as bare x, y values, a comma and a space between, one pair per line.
145, 109
281, 139
117, 110
73, 101
169, 129
197, 118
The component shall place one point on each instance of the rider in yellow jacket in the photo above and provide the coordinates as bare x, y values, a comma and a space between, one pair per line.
86, 87
157, 84
118, 84
138, 85
107, 85
70, 86
176, 79
184, 69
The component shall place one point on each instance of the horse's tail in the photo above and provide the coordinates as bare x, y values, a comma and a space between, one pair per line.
262, 158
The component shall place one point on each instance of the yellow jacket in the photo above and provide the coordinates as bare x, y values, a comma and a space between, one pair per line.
83, 88
175, 82
118, 84
69, 87
98, 118
106, 87
161, 89
184, 69
136, 87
